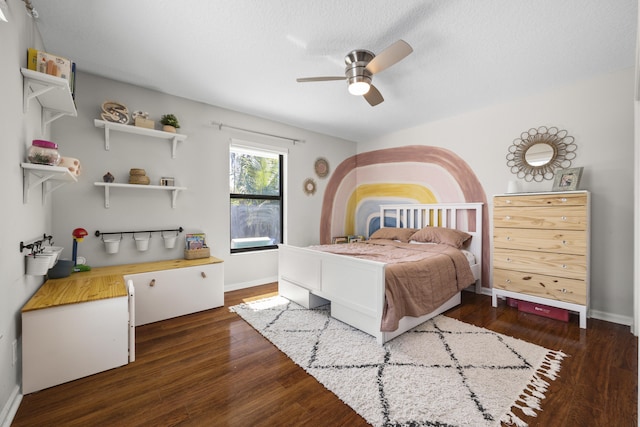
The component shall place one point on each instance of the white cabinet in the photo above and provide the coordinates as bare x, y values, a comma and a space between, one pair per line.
170, 293
66, 342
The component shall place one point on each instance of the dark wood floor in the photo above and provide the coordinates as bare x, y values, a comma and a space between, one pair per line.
212, 369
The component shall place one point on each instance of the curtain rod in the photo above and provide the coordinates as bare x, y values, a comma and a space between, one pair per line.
221, 125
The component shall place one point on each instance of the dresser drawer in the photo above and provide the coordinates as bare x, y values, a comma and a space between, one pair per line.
561, 242
555, 217
551, 199
555, 288
550, 264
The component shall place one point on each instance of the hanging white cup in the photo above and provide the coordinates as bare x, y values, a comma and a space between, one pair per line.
169, 241
142, 242
112, 246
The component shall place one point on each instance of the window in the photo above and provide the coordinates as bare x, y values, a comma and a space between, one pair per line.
255, 187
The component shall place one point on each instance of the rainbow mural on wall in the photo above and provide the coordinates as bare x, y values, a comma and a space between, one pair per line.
410, 174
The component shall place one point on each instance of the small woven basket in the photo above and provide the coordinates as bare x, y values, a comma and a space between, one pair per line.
197, 253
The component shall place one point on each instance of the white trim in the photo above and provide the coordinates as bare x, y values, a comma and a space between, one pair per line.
257, 146
611, 317
11, 407
250, 284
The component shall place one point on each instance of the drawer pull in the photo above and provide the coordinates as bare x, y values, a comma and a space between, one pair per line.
564, 218
564, 242
508, 280
152, 283
508, 202
564, 265
203, 274
508, 259
564, 291
508, 237
507, 217
563, 200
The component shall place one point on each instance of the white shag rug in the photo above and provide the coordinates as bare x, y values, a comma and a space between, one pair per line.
441, 373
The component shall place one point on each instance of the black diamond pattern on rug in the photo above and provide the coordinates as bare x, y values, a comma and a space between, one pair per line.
441, 373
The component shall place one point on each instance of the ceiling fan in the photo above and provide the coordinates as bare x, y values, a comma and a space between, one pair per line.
362, 65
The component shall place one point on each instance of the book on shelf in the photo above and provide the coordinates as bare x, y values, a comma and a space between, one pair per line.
195, 241
54, 65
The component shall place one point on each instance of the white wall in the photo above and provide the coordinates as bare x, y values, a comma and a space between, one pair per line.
599, 114
19, 222
201, 165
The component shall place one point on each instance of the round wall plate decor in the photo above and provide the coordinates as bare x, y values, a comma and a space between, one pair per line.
309, 186
321, 167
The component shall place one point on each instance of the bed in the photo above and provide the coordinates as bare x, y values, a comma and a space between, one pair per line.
356, 286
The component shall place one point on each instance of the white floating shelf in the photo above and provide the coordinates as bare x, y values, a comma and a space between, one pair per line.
53, 94
137, 130
51, 178
108, 185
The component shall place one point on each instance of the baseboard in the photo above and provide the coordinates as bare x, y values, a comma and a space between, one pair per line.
610, 317
250, 284
11, 407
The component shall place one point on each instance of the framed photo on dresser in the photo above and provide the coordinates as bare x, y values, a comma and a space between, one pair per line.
567, 179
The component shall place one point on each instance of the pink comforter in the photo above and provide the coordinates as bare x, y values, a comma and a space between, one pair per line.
418, 278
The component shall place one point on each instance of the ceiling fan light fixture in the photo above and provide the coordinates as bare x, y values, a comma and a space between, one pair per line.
359, 88
359, 85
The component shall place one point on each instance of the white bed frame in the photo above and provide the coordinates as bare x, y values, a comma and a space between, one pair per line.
356, 287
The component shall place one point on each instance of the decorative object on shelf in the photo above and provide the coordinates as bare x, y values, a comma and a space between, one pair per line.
138, 176
567, 179
537, 153
70, 163
43, 152
309, 187
321, 166
196, 246
115, 112
108, 177
141, 119
512, 186
170, 123
167, 181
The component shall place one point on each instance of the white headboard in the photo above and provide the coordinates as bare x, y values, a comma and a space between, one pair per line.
466, 217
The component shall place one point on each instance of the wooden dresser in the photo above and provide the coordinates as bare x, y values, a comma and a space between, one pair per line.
541, 249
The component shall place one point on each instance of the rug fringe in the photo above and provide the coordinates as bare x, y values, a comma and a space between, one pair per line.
530, 399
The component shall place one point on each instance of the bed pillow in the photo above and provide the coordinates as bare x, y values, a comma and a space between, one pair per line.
392, 233
447, 236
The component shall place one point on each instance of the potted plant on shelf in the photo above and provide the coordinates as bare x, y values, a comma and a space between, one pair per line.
170, 123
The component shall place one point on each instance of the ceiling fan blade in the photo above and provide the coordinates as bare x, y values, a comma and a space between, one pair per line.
385, 59
373, 97
319, 79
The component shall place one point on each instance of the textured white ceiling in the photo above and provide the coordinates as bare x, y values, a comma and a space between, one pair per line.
245, 55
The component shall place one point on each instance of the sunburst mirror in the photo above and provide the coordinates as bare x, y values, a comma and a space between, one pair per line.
537, 153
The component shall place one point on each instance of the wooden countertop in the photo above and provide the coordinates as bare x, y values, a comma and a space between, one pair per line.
100, 282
